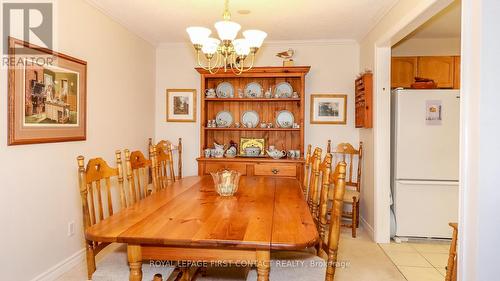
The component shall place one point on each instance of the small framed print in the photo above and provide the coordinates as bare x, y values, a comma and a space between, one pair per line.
329, 109
181, 105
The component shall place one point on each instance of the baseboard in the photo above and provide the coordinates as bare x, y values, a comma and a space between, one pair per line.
64, 266
367, 227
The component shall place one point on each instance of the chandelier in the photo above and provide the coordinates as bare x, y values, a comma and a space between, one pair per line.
228, 52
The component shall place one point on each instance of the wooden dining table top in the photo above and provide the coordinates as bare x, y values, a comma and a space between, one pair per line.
265, 213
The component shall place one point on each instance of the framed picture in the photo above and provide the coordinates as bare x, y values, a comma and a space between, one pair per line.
328, 109
181, 105
47, 95
251, 142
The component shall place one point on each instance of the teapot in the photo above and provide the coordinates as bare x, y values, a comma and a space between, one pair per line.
231, 152
276, 154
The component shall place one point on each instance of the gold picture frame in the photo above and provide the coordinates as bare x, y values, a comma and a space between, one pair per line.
252, 142
181, 105
328, 109
47, 96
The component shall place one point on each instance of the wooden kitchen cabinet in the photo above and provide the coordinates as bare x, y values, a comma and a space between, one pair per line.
404, 70
456, 75
439, 69
444, 70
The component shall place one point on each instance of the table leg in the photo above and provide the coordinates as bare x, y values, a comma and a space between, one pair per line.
135, 262
263, 265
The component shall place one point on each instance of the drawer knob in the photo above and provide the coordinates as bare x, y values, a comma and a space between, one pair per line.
275, 171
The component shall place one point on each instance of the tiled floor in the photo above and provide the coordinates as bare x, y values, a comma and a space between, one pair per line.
365, 261
419, 260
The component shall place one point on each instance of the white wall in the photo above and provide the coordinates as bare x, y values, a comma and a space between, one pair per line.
334, 66
39, 190
479, 221
427, 47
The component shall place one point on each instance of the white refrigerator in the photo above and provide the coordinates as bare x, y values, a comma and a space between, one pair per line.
425, 161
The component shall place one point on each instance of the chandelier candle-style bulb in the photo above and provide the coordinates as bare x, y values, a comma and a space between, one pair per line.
241, 47
210, 46
227, 30
255, 37
228, 52
198, 34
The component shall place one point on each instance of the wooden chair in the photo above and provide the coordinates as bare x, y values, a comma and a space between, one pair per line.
163, 164
345, 152
307, 171
329, 241
139, 171
94, 180
170, 146
313, 192
329, 146
451, 268
324, 183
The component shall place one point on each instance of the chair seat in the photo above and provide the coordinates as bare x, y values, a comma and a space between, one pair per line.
114, 267
287, 266
349, 194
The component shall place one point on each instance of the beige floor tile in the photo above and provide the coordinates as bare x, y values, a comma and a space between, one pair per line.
408, 259
430, 248
442, 270
421, 273
398, 247
436, 259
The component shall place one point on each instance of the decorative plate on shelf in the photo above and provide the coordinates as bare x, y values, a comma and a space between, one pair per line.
283, 90
253, 90
225, 90
250, 117
224, 119
285, 119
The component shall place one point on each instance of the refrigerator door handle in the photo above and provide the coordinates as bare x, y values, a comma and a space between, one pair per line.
415, 182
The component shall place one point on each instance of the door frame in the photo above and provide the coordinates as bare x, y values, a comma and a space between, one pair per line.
382, 112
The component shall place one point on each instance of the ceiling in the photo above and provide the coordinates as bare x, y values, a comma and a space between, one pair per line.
165, 21
446, 24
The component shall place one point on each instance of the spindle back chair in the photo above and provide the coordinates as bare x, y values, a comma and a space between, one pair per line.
451, 268
330, 223
307, 171
94, 180
139, 171
353, 158
313, 192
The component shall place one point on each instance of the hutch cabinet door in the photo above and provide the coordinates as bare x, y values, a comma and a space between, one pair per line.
439, 69
404, 70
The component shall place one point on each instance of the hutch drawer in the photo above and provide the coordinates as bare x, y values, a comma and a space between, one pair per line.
279, 170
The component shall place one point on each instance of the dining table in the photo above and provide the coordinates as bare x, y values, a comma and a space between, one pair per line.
189, 222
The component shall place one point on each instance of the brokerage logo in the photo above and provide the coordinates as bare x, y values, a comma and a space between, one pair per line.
29, 21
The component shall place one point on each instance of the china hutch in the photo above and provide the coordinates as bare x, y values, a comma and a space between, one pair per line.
281, 137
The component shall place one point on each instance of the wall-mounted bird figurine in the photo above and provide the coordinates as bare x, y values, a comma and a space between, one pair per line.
287, 57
